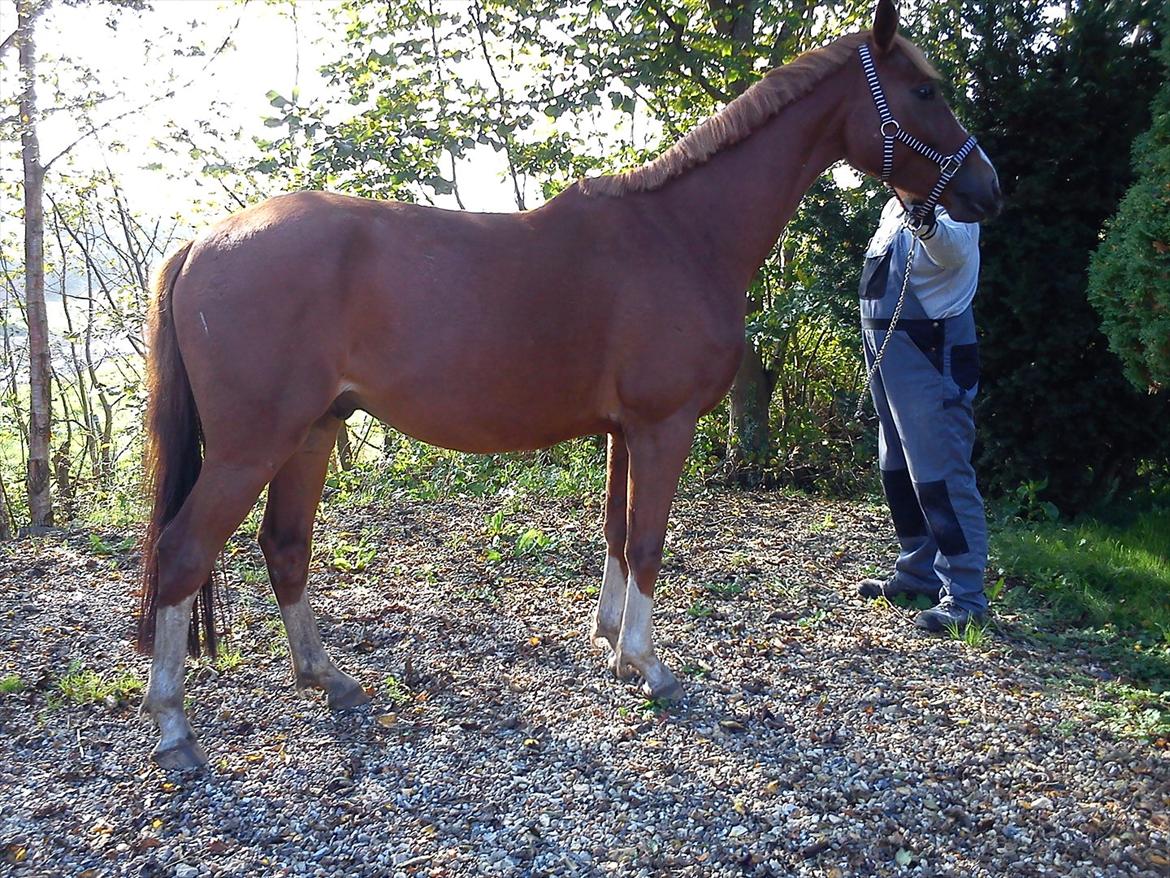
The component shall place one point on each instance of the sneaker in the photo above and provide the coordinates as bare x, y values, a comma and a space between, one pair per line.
947, 615
890, 588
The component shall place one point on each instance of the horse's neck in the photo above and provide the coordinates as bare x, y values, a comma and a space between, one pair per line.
733, 208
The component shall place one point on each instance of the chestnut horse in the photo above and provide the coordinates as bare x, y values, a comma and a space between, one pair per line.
617, 307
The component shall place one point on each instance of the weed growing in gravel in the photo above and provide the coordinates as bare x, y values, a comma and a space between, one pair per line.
656, 706
11, 684
972, 635
227, 659
813, 619
700, 610
100, 547
352, 557
248, 571
724, 590
395, 691
1132, 712
83, 686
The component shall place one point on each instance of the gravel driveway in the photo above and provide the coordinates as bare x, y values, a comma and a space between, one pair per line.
819, 737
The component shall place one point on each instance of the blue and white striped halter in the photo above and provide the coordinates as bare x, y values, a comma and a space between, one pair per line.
892, 131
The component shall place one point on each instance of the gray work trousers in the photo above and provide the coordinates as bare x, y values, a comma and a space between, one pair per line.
923, 393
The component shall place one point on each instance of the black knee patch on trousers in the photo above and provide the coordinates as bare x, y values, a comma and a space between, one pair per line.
903, 502
940, 516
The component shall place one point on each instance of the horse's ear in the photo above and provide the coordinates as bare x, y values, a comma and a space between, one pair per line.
885, 25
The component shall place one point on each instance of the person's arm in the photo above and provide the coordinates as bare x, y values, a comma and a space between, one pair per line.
949, 243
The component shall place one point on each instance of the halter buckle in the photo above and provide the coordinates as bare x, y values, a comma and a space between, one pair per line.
950, 166
894, 133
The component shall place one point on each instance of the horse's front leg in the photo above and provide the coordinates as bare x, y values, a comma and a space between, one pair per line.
607, 618
657, 454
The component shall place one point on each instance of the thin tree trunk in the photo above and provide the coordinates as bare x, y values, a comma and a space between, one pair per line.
344, 453
40, 499
749, 441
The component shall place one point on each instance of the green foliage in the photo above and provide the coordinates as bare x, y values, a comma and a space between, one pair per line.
11, 684
352, 556
1056, 102
1129, 278
83, 686
395, 691
1132, 711
1094, 574
972, 635
404, 467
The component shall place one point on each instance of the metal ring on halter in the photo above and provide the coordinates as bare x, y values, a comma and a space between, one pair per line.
950, 166
894, 133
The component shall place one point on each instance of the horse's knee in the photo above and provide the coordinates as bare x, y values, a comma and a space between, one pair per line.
644, 560
288, 563
183, 566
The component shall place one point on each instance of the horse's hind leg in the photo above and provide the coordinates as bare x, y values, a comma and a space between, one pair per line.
607, 618
286, 538
187, 549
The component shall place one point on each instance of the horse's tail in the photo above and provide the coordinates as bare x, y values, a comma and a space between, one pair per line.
173, 457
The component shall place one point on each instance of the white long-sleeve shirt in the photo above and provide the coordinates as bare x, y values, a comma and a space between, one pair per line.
946, 266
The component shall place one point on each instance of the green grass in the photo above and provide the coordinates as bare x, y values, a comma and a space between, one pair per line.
395, 691
1099, 586
11, 684
1093, 574
83, 686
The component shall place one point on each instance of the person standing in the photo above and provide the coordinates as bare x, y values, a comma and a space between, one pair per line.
923, 391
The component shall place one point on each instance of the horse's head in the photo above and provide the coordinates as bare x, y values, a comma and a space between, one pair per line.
914, 111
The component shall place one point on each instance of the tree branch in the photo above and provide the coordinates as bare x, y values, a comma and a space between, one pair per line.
94, 129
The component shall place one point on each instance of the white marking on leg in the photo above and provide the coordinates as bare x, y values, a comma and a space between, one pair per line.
607, 618
636, 644
312, 666
164, 692
304, 641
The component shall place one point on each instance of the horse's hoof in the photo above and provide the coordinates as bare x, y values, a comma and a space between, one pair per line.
669, 691
186, 754
347, 698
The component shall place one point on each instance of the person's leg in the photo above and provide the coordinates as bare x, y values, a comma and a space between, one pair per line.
933, 416
914, 571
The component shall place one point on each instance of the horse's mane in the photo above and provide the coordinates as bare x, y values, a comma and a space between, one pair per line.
746, 114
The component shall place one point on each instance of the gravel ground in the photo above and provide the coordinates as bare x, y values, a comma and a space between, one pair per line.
819, 737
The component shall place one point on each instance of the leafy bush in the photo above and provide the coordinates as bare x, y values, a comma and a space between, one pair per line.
1129, 277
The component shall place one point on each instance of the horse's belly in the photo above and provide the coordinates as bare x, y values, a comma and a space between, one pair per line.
485, 422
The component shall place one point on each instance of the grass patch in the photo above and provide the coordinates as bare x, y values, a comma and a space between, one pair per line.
1095, 584
227, 658
11, 685
1094, 573
396, 691
83, 686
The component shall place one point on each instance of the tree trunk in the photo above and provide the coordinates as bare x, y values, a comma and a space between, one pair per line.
5, 515
344, 450
749, 441
40, 500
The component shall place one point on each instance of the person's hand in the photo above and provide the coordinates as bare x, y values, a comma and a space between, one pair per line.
924, 225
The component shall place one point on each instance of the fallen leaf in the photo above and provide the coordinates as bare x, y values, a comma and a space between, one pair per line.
903, 857
387, 720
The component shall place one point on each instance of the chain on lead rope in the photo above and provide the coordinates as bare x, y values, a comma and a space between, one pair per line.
877, 360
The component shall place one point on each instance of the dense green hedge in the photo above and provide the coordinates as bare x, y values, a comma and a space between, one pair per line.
1129, 279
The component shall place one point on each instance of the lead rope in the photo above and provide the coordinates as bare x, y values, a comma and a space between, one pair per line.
877, 360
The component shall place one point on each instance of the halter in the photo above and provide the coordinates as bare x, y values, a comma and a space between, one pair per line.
891, 131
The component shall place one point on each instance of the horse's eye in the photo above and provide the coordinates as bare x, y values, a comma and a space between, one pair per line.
925, 92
